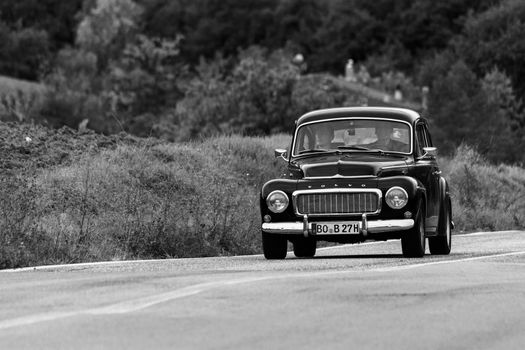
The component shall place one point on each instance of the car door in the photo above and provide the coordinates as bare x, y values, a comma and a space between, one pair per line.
427, 171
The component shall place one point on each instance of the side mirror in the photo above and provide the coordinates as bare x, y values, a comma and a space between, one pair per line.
430, 152
281, 153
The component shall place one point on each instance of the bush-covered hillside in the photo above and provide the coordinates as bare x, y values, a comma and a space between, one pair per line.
70, 197
186, 69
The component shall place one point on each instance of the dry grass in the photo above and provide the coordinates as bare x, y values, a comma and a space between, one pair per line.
147, 201
485, 197
155, 200
20, 100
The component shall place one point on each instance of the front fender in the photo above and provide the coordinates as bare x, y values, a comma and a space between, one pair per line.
415, 190
288, 187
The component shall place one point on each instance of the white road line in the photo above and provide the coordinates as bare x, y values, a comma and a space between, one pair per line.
441, 262
130, 305
125, 262
149, 301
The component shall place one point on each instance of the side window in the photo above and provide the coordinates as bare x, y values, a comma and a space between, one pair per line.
421, 139
428, 138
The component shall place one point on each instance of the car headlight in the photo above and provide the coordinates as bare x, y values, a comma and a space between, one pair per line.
277, 201
396, 197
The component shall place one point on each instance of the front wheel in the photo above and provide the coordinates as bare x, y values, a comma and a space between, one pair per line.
442, 243
304, 247
413, 240
274, 246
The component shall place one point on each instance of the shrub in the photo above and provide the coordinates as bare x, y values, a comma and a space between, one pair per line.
20, 105
149, 201
485, 196
22, 240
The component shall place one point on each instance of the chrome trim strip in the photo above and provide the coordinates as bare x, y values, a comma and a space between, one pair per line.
296, 228
338, 176
377, 226
394, 167
292, 154
378, 192
380, 226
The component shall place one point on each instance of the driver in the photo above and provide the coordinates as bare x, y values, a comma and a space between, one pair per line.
384, 139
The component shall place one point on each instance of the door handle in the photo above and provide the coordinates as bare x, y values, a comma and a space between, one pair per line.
437, 172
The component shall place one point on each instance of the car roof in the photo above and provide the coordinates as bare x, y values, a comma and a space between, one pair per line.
402, 114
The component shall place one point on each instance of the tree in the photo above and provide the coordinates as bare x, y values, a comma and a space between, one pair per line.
462, 109
55, 17
23, 53
107, 28
145, 80
498, 88
494, 38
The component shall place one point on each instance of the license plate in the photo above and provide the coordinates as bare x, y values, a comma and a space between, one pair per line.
334, 228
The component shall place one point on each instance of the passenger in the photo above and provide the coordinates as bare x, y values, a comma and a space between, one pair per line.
325, 135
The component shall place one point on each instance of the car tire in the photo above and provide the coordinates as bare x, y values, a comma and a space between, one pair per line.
442, 243
413, 240
304, 247
274, 246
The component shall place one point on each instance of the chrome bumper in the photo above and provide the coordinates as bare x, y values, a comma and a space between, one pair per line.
305, 227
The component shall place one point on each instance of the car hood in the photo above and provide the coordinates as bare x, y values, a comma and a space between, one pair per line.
351, 165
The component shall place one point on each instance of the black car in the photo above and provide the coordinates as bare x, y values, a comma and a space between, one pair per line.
357, 174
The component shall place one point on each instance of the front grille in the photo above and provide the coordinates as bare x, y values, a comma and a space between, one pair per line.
337, 203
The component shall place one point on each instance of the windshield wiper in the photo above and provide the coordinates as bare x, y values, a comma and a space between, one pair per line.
359, 148
314, 150
382, 152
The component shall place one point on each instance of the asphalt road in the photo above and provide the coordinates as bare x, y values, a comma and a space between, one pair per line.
350, 297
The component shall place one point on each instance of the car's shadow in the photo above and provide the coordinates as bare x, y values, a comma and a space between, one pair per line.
359, 256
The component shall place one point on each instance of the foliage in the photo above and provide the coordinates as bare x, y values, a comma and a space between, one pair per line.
262, 94
22, 242
145, 80
114, 79
253, 98
107, 28
484, 196
326, 32
56, 17
494, 38
484, 113
183, 69
23, 52
461, 111
74, 93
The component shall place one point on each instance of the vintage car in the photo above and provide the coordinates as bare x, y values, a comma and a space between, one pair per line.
357, 174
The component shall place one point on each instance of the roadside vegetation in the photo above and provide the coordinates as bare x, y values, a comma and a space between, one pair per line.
485, 196
70, 197
106, 199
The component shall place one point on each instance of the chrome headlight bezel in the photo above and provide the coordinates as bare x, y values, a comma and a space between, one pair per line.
277, 195
394, 201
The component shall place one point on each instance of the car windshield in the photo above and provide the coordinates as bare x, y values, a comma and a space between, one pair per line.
353, 135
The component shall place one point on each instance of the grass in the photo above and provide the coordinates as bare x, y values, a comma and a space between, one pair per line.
141, 200
145, 201
19, 99
8, 84
485, 197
